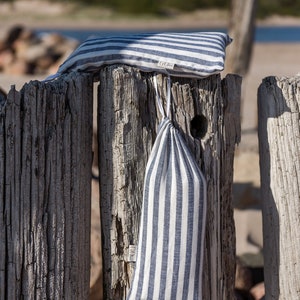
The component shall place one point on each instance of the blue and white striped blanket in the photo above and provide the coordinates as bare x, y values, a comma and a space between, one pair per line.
197, 54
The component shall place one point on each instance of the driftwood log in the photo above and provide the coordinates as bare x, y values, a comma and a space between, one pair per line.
207, 113
45, 178
279, 149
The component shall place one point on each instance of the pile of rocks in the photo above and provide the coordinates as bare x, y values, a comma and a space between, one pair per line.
23, 51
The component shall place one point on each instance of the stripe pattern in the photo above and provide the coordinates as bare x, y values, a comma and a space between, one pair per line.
171, 236
197, 54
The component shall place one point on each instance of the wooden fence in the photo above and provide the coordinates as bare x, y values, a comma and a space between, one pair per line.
45, 171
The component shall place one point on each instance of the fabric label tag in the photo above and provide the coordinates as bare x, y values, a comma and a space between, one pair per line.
131, 253
166, 65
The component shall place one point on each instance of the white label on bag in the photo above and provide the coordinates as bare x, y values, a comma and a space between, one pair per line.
166, 65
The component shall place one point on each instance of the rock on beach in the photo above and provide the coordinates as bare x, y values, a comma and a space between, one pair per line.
24, 52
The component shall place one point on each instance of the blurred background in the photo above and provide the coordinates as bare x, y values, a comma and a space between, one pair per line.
36, 36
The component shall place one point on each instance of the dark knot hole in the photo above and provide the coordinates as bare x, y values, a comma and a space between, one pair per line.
199, 126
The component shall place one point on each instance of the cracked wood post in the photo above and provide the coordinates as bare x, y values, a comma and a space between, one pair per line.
45, 171
127, 126
279, 149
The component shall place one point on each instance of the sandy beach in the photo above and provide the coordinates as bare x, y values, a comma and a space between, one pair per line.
268, 59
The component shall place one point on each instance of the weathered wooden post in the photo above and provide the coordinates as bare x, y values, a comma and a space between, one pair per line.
241, 29
45, 178
207, 112
279, 149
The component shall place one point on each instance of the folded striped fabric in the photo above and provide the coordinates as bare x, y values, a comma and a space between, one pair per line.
171, 235
197, 54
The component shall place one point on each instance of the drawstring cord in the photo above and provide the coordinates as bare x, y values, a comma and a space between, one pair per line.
158, 97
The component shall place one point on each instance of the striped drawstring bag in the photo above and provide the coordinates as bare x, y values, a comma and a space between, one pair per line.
172, 228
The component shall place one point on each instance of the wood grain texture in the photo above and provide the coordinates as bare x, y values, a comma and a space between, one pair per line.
279, 144
45, 170
127, 124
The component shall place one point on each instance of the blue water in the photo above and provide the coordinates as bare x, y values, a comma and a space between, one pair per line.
286, 34
278, 34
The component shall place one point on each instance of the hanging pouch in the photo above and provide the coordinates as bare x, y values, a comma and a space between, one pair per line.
171, 237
